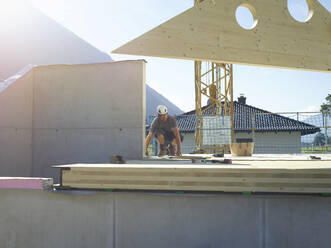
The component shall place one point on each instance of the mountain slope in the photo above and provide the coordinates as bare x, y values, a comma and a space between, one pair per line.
153, 99
30, 37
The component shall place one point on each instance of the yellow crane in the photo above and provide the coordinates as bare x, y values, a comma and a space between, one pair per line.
213, 81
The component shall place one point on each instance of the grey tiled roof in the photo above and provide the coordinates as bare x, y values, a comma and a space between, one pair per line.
264, 121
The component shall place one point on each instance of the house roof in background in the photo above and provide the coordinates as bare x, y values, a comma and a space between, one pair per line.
264, 121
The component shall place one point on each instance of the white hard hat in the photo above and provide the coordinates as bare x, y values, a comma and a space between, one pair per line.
162, 110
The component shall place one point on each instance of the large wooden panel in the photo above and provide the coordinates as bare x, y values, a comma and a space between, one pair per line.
254, 176
209, 31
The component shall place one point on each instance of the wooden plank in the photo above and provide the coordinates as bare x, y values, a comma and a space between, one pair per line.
204, 188
71, 178
244, 164
209, 32
240, 166
284, 176
198, 178
239, 174
217, 185
254, 157
213, 171
203, 173
182, 157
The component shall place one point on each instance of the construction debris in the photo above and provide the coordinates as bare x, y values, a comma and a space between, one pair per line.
116, 159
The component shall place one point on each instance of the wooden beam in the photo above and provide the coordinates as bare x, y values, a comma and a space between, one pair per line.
241, 176
209, 31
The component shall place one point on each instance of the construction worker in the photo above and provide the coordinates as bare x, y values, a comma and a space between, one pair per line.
166, 131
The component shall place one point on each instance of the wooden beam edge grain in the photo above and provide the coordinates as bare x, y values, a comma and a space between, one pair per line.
280, 189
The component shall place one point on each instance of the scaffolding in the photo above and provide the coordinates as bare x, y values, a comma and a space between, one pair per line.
213, 81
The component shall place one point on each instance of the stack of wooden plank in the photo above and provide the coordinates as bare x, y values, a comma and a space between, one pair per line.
241, 176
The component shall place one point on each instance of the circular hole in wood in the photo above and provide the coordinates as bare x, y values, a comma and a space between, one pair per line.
246, 16
300, 10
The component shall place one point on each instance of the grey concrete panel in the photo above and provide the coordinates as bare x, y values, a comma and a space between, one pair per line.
179, 221
16, 103
75, 113
90, 96
86, 113
33, 218
68, 146
15, 152
301, 222
16, 127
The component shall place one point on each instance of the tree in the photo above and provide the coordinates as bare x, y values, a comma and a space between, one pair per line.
320, 138
326, 107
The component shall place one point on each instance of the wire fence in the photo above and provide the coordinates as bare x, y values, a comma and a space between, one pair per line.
272, 133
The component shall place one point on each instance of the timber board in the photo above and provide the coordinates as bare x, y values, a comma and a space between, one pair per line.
260, 157
209, 32
254, 176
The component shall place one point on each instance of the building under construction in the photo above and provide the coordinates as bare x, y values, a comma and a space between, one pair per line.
65, 130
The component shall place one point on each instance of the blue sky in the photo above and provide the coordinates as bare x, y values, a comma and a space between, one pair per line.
108, 24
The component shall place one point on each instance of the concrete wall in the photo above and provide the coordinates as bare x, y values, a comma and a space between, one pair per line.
274, 143
72, 114
32, 218
85, 113
281, 142
16, 127
265, 143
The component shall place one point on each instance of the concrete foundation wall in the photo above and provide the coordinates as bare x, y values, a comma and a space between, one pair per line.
32, 218
65, 114
16, 108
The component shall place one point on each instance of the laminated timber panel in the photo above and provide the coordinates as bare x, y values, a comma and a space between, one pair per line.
254, 176
209, 32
